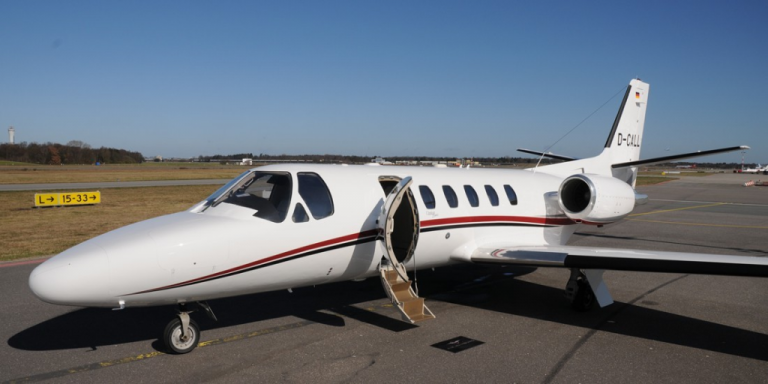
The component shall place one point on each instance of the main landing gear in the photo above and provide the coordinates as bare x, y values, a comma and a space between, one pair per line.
579, 292
182, 334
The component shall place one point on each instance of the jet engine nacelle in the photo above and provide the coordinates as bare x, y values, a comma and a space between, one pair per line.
594, 199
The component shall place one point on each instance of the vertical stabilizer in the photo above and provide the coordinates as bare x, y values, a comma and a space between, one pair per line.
623, 143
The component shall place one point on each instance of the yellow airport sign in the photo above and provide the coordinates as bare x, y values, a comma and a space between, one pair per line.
47, 199
80, 198
67, 198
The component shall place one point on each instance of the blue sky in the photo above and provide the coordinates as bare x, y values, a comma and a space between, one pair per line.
185, 78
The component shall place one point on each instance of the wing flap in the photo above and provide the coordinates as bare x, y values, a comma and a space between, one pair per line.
624, 260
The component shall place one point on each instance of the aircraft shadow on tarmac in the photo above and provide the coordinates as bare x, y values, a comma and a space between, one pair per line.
583, 235
521, 298
487, 288
94, 327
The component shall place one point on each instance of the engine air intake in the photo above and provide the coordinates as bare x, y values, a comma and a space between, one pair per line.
575, 195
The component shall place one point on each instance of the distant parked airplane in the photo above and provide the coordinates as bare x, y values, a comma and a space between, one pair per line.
759, 169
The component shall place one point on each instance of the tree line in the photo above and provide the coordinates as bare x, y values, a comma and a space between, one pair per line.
356, 159
74, 152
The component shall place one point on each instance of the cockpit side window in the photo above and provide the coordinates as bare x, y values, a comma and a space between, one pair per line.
269, 194
315, 193
299, 214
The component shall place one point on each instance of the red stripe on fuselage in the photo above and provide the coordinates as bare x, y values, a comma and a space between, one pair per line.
355, 236
292, 252
489, 219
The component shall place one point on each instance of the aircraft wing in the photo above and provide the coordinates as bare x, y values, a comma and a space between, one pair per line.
624, 260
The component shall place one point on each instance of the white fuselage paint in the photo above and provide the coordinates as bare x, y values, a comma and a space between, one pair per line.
225, 251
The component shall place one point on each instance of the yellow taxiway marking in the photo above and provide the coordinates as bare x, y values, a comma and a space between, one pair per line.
150, 355
702, 224
692, 224
130, 359
677, 209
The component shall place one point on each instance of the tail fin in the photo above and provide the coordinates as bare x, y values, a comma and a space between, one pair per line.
621, 155
623, 143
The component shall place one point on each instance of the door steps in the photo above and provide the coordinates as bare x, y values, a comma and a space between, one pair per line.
398, 288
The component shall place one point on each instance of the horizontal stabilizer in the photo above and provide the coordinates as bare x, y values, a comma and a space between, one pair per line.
624, 260
547, 154
665, 159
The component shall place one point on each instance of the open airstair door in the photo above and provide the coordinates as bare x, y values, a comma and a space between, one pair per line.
398, 226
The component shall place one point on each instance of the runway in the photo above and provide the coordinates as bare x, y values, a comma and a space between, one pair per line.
662, 328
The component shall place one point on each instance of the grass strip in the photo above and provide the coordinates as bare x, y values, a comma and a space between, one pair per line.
43, 175
28, 231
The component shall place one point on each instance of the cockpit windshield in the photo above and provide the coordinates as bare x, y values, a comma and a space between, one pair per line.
226, 187
268, 193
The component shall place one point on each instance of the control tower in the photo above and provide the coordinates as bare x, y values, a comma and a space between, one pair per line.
11, 133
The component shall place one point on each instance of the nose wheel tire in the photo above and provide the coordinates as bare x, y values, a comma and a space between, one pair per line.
178, 343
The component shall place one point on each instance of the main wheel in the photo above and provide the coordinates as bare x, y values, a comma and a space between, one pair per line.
177, 343
584, 298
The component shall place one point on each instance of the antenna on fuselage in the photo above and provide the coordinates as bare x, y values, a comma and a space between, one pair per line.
546, 151
541, 158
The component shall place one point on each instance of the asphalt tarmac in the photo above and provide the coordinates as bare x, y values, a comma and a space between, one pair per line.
662, 328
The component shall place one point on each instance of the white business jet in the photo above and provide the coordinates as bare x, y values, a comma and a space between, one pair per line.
285, 226
759, 169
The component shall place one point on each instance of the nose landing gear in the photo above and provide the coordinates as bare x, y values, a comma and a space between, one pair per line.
181, 338
182, 334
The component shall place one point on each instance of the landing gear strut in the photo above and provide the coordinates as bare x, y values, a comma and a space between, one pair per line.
182, 334
579, 292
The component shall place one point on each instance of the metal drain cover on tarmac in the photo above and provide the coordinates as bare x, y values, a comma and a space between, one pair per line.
457, 344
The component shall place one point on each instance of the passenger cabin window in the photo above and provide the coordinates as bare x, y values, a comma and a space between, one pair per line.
511, 194
427, 197
269, 194
471, 196
450, 195
315, 193
492, 196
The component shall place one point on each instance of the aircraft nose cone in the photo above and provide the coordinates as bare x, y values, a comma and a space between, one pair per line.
77, 276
